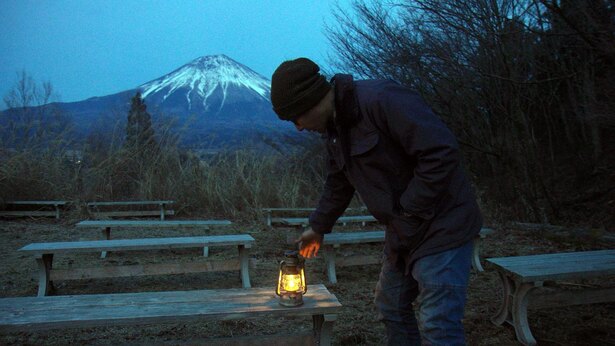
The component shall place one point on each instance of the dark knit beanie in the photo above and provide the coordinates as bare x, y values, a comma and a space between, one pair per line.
296, 87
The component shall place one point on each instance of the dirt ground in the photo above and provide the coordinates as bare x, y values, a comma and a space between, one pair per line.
356, 325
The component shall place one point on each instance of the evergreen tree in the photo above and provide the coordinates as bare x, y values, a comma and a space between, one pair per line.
139, 132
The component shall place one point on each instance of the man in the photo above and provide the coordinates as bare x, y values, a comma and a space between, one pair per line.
383, 141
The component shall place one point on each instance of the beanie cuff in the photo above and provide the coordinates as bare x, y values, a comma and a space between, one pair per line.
305, 101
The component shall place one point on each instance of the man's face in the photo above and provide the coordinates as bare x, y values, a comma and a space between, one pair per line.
316, 119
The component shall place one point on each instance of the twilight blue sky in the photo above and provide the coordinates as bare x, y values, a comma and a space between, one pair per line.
91, 48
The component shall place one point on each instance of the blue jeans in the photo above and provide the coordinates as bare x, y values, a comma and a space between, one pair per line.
426, 307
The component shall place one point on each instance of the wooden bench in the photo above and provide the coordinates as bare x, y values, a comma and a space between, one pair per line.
42, 208
26, 314
303, 222
102, 209
107, 225
287, 212
44, 252
333, 241
523, 280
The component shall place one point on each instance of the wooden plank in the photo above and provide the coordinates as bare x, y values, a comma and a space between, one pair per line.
28, 213
139, 244
304, 221
570, 265
354, 237
151, 224
548, 298
82, 311
145, 270
288, 209
120, 203
125, 213
36, 202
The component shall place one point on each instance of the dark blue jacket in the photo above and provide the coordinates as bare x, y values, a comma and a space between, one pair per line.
388, 145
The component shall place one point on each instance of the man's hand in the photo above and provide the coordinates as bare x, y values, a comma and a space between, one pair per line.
310, 243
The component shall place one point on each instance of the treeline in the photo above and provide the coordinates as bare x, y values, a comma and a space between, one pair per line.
136, 159
525, 84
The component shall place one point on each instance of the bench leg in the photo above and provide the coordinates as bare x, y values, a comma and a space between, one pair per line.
514, 308
44, 267
57, 212
107, 236
476, 256
162, 212
330, 263
268, 219
206, 251
323, 328
244, 261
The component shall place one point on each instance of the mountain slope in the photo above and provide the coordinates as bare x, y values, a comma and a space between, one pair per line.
214, 100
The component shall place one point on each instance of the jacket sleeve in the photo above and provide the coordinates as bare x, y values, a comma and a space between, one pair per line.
426, 140
336, 196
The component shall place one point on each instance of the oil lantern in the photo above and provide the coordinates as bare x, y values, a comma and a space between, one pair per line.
291, 283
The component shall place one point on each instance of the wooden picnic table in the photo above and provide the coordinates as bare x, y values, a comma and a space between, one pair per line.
335, 240
93, 208
107, 225
44, 253
303, 222
56, 212
270, 219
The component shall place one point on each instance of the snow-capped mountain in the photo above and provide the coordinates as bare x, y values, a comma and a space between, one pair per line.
208, 84
213, 100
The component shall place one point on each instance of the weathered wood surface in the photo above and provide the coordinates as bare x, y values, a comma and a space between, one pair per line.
151, 224
269, 212
557, 266
105, 209
120, 203
44, 252
54, 203
127, 213
304, 221
287, 209
83, 311
34, 204
28, 213
353, 237
138, 244
147, 269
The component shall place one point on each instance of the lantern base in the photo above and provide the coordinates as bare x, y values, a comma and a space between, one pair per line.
291, 300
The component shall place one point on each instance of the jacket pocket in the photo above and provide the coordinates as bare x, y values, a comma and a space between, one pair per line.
410, 231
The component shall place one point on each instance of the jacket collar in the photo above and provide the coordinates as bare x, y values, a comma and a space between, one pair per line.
346, 107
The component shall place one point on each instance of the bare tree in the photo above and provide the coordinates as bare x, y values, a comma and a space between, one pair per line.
31, 120
519, 81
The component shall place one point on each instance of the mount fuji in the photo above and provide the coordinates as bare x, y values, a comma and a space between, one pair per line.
212, 101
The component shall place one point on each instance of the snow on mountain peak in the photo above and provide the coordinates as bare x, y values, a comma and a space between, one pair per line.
202, 76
